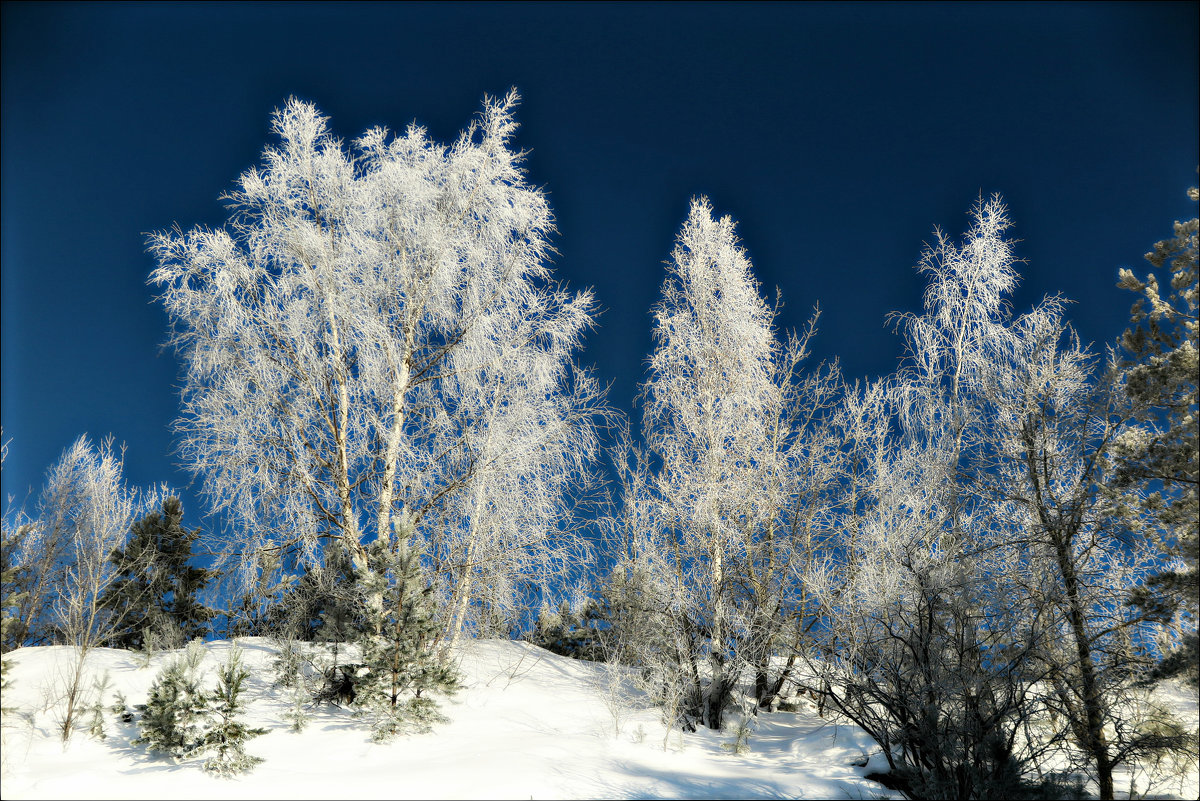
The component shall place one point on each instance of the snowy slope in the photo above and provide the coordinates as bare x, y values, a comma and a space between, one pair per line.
528, 724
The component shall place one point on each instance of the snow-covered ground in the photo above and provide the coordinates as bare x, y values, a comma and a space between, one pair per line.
528, 724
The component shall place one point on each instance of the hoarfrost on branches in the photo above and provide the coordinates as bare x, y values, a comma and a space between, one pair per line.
376, 334
985, 566
725, 500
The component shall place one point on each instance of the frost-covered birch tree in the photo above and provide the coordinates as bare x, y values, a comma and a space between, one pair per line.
984, 593
723, 432
1059, 414
84, 513
375, 340
925, 653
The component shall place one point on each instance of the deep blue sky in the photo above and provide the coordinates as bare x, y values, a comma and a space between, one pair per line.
837, 135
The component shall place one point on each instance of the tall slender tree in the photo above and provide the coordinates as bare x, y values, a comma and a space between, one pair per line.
1059, 417
726, 419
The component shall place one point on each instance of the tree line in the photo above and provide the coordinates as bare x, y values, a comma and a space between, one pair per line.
984, 559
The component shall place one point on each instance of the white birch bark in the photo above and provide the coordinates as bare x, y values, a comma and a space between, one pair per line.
345, 334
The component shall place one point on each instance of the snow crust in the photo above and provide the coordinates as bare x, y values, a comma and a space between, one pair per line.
529, 724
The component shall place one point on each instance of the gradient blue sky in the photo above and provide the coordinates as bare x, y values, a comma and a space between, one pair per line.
837, 135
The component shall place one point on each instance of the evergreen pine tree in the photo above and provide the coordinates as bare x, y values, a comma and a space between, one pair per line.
262, 611
226, 739
574, 633
14, 582
96, 721
297, 613
155, 593
1159, 452
176, 710
325, 606
741, 738
400, 665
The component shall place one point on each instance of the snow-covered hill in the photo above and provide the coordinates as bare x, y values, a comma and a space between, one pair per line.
529, 724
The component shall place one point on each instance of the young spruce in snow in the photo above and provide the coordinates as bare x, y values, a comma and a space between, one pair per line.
174, 714
183, 721
400, 663
226, 740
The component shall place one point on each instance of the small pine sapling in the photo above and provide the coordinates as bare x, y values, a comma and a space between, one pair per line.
289, 656
400, 662
143, 654
226, 739
96, 710
741, 738
176, 710
297, 715
96, 721
120, 708
5, 686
